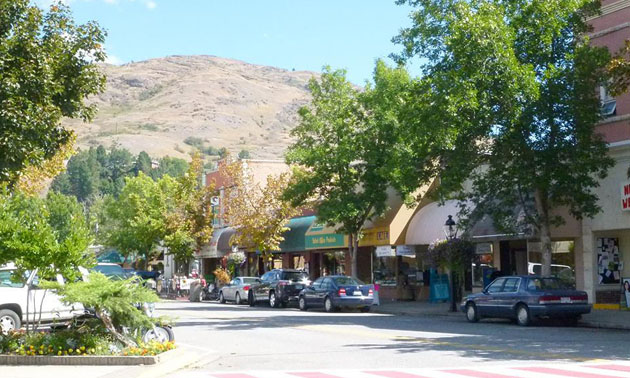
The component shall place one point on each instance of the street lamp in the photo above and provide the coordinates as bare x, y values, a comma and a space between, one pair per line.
450, 228
451, 232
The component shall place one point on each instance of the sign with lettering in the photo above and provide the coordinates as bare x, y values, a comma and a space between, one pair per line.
325, 241
385, 251
405, 250
625, 196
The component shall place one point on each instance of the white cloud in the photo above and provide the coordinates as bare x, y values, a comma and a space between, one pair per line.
150, 4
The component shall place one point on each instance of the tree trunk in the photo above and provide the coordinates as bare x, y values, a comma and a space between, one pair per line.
353, 247
107, 321
544, 230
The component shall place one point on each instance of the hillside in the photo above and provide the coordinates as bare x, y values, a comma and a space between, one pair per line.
156, 104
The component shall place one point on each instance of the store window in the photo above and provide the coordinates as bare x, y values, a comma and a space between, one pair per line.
384, 270
298, 262
334, 263
562, 260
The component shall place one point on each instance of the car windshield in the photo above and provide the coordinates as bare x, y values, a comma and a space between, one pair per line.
343, 281
539, 284
250, 280
9, 278
111, 270
295, 276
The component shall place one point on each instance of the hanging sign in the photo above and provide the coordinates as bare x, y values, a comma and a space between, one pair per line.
385, 251
405, 250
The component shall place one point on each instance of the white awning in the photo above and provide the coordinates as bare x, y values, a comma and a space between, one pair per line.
427, 225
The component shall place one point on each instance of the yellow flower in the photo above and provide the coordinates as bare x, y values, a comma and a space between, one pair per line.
70, 350
82, 348
59, 353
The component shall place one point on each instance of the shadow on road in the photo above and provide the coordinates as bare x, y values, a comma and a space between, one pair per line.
491, 340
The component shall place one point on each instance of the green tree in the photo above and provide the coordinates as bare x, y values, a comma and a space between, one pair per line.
174, 167
143, 164
189, 217
341, 147
48, 69
50, 235
244, 154
509, 103
135, 221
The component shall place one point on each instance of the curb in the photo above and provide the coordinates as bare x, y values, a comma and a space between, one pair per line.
86, 360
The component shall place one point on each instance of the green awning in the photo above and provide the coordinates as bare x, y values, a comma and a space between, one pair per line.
295, 238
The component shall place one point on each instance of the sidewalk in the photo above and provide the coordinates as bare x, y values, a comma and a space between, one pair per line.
612, 319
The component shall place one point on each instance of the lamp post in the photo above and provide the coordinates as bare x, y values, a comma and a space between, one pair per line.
451, 233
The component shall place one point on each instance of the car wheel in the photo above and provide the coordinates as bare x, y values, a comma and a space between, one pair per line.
365, 309
9, 321
523, 317
302, 304
328, 305
237, 299
472, 315
158, 333
221, 297
250, 299
273, 300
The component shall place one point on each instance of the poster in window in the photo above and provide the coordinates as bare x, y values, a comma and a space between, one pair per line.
608, 262
625, 295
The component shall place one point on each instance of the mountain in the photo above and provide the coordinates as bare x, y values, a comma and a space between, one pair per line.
155, 105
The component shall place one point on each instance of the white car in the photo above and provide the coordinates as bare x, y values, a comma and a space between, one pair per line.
16, 298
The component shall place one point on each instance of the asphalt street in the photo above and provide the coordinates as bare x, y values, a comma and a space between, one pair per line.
239, 338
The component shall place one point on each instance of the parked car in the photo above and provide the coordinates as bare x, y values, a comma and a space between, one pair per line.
112, 270
278, 287
16, 292
238, 289
525, 298
334, 292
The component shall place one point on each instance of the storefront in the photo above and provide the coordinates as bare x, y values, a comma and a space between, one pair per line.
210, 256
293, 253
384, 257
327, 251
606, 237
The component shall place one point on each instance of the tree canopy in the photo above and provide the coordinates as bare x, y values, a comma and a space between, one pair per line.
509, 103
47, 69
342, 147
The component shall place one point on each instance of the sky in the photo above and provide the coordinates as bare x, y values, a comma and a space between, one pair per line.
290, 34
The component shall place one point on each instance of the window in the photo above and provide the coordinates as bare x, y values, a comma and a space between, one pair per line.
540, 284
343, 281
511, 285
495, 286
318, 282
268, 276
327, 284
250, 280
384, 270
295, 276
8, 279
609, 104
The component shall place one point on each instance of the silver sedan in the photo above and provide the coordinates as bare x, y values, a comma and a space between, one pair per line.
237, 289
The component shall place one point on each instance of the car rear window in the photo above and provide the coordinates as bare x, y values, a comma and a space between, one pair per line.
540, 284
249, 280
294, 276
342, 281
110, 270
8, 278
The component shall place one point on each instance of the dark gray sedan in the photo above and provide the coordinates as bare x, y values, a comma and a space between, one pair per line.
334, 292
525, 298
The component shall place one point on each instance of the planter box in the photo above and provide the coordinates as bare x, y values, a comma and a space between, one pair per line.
86, 360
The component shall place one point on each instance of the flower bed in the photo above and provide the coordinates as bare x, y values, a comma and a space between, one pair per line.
74, 343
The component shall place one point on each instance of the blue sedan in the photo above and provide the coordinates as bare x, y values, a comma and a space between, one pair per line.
334, 292
525, 298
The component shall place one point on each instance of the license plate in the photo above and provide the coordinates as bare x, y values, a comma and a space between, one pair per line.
565, 300
358, 293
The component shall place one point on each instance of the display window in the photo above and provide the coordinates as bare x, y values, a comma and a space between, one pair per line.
384, 270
